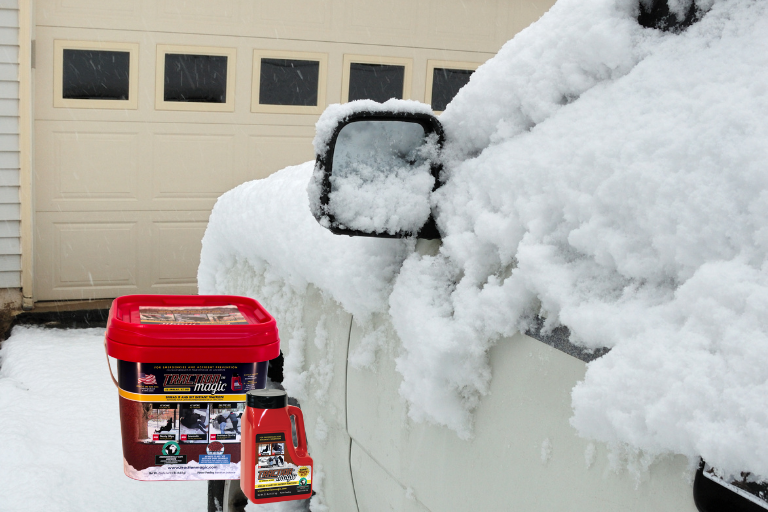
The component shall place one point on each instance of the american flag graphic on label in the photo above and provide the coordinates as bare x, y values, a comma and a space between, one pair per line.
147, 379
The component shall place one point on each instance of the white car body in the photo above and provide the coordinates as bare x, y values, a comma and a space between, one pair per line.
524, 454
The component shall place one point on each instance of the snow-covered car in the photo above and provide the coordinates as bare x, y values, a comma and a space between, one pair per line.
551, 298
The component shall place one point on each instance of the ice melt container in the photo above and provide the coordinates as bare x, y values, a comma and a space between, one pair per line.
184, 364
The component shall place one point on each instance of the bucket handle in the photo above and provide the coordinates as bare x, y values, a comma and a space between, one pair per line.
108, 365
301, 450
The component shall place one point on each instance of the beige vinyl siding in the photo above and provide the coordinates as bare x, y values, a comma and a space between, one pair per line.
10, 209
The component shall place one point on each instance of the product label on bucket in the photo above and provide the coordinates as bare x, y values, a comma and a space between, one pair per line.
276, 475
185, 420
155, 382
220, 315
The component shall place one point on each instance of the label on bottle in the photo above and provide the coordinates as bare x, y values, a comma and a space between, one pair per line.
276, 474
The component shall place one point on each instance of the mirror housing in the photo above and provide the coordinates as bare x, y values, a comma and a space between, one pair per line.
320, 188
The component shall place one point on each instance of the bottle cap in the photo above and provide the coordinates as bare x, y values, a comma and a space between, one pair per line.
266, 398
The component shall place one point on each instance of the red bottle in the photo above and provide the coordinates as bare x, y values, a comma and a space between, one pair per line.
271, 468
237, 385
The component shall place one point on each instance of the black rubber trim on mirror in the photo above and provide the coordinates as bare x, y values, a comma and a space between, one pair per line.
430, 124
657, 14
711, 494
559, 339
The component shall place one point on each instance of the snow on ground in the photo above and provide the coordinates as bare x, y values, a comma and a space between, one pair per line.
608, 177
61, 430
61, 448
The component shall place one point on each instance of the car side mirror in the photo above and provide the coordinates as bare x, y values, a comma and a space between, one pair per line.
376, 173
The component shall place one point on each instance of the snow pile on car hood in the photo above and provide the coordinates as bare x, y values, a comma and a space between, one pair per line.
608, 177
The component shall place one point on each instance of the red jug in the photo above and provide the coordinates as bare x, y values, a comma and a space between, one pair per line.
271, 468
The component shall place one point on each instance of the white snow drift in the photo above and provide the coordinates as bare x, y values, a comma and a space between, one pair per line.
608, 177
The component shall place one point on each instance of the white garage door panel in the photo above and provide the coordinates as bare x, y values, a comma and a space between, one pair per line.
156, 166
270, 153
107, 254
192, 165
93, 165
94, 254
176, 253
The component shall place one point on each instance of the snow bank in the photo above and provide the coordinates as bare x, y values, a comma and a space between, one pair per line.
608, 177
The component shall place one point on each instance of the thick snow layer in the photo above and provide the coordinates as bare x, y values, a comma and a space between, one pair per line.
608, 177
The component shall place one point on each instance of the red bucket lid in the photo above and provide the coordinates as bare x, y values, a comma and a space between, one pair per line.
249, 334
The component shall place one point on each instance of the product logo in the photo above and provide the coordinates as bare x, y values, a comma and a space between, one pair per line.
303, 471
214, 448
203, 382
147, 379
170, 448
278, 475
303, 481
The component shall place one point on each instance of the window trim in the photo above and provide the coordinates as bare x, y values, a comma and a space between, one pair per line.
444, 64
161, 104
322, 79
59, 101
376, 59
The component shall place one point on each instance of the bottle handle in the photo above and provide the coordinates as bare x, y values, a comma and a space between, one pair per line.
301, 450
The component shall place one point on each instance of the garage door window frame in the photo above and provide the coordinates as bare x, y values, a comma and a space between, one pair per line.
132, 103
349, 59
161, 104
443, 64
322, 78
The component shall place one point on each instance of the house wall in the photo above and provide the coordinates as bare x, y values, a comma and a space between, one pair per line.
10, 207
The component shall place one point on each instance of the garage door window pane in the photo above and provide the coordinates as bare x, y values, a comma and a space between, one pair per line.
288, 82
95, 75
377, 82
195, 78
445, 84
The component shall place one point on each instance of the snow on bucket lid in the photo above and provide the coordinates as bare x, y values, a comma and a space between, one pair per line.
190, 329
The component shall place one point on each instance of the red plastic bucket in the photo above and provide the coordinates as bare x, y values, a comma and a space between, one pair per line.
184, 364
